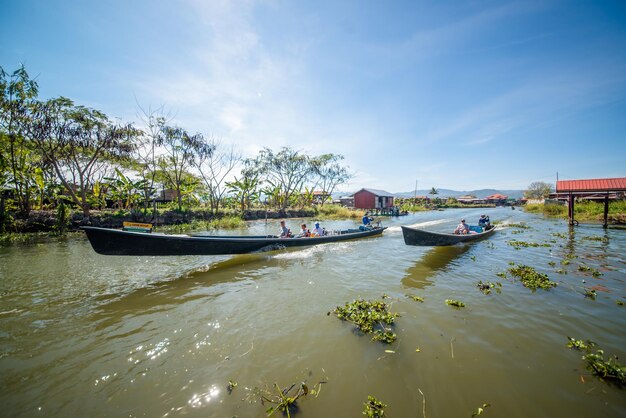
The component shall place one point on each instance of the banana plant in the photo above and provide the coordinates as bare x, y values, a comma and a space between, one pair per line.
125, 190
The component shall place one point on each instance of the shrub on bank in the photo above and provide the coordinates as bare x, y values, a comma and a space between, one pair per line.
337, 212
583, 211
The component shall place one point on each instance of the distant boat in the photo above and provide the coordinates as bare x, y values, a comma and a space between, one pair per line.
415, 236
118, 242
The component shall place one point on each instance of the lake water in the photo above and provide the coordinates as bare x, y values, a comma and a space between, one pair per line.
88, 335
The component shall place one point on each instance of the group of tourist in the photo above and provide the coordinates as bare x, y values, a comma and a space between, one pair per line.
464, 228
318, 231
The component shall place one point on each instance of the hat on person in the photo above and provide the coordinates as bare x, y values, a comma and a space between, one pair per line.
317, 224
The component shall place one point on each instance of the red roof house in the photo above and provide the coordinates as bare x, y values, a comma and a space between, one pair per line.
372, 199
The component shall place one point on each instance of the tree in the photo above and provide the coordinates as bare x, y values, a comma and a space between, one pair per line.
18, 92
329, 172
214, 168
75, 140
125, 190
287, 170
433, 192
538, 190
181, 152
154, 121
245, 188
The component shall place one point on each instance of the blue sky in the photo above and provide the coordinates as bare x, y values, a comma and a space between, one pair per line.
453, 94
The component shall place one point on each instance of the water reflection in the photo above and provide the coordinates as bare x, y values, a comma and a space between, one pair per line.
166, 295
435, 260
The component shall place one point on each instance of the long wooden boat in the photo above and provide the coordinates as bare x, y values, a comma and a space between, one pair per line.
118, 242
415, 236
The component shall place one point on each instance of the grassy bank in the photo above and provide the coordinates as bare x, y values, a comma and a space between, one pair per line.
227, 222
338, 212
585, 211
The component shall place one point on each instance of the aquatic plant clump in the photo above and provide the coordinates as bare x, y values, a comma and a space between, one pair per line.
370, 317
519, 225
580, 344
487, 286
519, 244
609, 370
374, 408
416, 298
480, 410
284, 399
531, 278
455, 303
585, 268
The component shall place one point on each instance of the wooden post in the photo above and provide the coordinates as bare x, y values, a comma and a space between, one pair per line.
606, 211
570, 209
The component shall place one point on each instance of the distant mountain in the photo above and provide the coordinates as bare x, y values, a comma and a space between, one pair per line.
481, 193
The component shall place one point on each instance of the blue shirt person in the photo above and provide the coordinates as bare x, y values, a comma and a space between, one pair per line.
483, 222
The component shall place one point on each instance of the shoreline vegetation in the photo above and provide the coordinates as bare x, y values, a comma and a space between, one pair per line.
584, 211
64, 165
44, 223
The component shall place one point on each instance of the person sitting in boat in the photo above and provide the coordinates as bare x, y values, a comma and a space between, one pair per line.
484, 223
317, 231
462, 228
284, 231
303, 232
367, 220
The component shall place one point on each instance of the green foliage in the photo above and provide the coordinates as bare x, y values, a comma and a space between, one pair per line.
607, 370
594, 272
519, 244
596, 238
487, 286
455, 303
538, 190
518, 225
480, 410
580, 344
374, 408
531, 278
245, 188
227, 222
416, 298
590, 293
337, 212
62, 218
124, 189
231, 385
285, 399
370, 317
583, 211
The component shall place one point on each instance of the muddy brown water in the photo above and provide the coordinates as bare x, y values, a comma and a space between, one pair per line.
88, 335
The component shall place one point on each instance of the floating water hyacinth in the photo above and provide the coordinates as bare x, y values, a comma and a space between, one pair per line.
370, 317
374, 408
531, 278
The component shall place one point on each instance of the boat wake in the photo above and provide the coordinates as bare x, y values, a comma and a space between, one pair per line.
430, 223
312, 251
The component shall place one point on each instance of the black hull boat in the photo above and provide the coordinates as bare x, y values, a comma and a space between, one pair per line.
415, 236
118, 242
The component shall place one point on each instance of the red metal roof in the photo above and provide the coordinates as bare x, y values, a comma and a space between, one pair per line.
496, 196
591, 185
